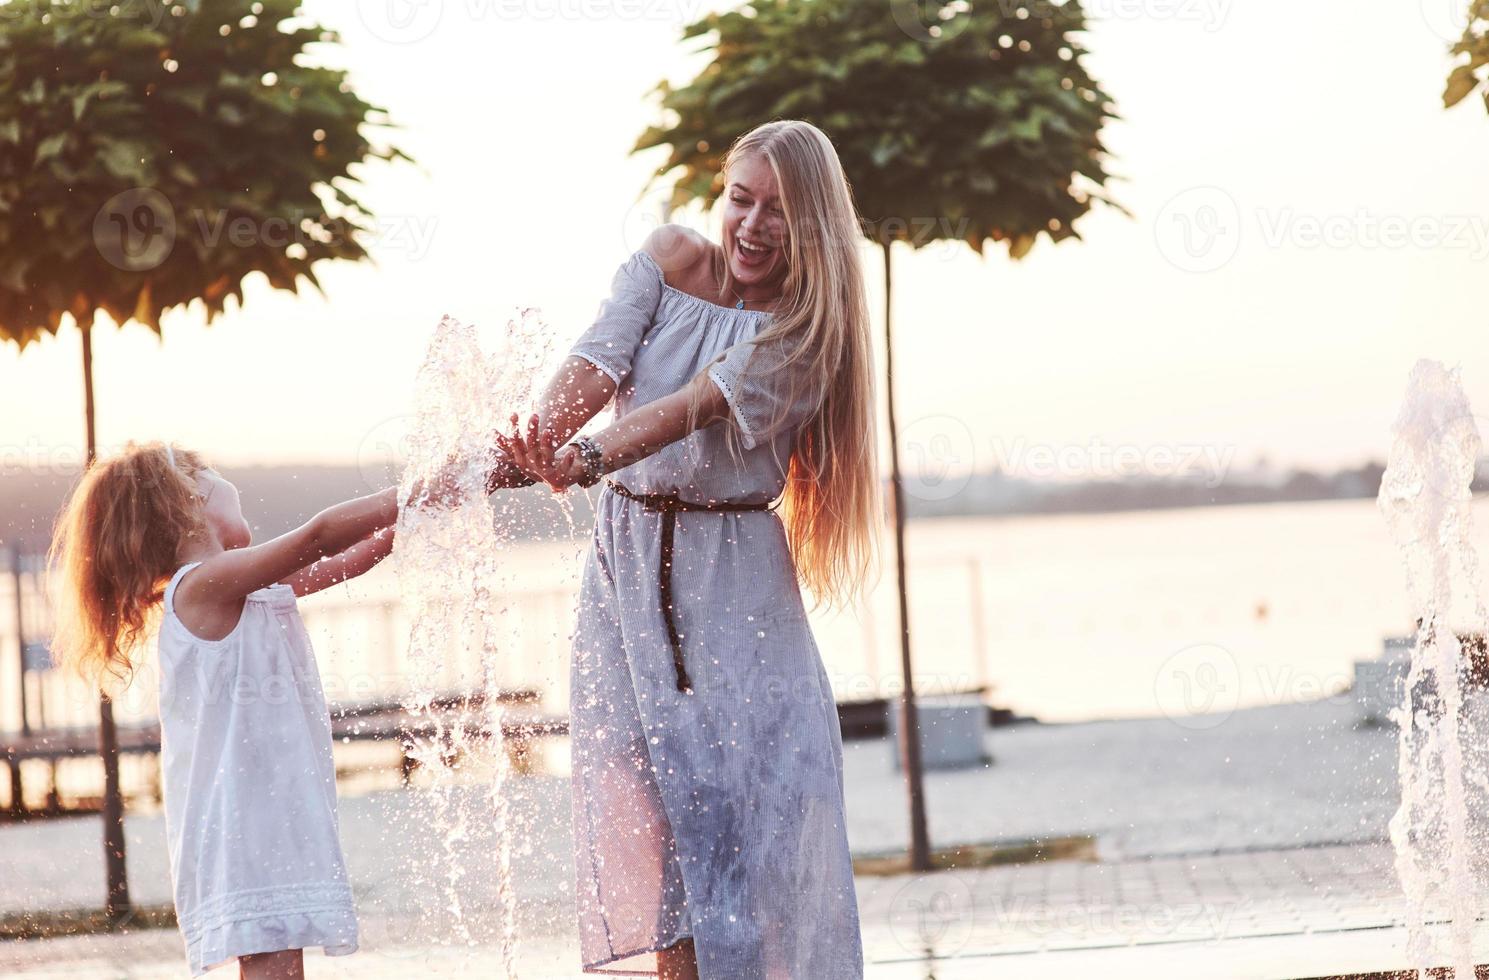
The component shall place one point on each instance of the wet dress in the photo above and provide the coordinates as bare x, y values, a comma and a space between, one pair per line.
714, 811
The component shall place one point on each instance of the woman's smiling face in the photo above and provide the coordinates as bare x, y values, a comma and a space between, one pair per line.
754, 225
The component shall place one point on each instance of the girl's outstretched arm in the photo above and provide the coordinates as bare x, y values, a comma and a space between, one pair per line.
360, 558
221, 582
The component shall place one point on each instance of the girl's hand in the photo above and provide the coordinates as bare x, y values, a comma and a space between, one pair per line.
536, 455
442, 489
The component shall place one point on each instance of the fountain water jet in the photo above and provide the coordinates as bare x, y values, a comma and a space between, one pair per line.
452, 580
1425, 497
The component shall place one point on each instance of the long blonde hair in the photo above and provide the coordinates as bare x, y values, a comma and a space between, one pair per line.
113, 549
831, 503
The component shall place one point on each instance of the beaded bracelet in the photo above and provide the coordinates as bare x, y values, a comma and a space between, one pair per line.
593, 459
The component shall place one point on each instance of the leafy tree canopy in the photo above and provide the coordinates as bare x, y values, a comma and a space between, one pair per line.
154, 152
1474, 50
953, 121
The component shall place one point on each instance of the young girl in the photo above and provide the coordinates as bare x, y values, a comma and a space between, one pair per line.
155, 535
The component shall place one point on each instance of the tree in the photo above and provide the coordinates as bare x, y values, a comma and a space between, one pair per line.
1474, 47
153, 154
952, 121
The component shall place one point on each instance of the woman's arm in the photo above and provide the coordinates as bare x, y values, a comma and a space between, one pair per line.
576, 393
360, 558
660, 423
601, 359
633, 437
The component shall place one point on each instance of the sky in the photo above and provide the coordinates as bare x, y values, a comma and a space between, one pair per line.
1309, 221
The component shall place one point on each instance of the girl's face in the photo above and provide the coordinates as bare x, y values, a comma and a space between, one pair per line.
754, 223
222, 511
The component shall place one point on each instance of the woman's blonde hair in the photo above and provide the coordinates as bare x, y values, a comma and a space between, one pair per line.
114, 548
821, 322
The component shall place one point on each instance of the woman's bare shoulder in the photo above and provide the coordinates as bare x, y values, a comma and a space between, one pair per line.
685, 257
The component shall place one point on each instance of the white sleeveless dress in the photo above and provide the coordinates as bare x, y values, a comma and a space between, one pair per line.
250, 787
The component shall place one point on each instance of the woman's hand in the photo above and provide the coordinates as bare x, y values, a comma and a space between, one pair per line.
538, 456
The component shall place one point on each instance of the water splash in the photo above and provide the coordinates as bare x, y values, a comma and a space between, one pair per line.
1424, 495
450, 570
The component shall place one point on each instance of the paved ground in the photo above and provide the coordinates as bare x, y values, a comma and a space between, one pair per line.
1278, 913
1250, 848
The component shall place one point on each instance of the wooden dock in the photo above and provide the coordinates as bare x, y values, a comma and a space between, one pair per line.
448, 719
392, 722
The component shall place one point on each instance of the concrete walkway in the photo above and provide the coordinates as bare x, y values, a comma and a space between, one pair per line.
1249, 848
1305, 912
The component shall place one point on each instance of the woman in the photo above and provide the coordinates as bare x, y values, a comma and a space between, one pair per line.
708, 800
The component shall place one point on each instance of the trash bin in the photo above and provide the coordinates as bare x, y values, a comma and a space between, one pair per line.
951, 731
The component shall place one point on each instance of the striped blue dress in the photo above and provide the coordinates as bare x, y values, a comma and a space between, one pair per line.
715, 813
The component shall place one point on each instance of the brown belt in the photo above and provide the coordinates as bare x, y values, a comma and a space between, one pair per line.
669, 505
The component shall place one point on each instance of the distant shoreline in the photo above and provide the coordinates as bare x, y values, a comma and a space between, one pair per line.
277, 498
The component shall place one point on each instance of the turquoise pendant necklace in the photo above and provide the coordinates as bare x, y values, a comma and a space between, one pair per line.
739, 301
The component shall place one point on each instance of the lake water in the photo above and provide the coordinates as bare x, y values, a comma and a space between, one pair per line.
1065, 617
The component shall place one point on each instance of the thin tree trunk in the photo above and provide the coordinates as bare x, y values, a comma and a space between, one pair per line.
920, 845
117, 905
